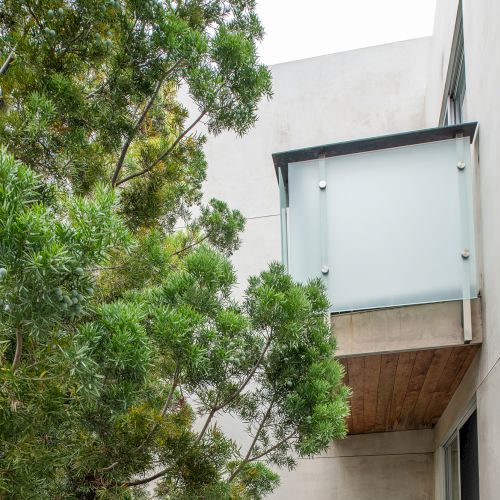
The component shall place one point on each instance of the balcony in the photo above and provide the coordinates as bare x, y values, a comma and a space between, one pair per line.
388, 224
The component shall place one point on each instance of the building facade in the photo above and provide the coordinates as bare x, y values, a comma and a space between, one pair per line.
377, 169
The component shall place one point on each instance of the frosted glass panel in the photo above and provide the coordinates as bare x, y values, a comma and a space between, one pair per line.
396, 225
304, 231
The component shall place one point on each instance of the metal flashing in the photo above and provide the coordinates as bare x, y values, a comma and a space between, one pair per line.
282, 159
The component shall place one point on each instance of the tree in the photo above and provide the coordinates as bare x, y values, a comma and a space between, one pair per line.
120, 342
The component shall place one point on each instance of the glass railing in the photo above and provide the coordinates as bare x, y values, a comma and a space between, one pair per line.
385, 221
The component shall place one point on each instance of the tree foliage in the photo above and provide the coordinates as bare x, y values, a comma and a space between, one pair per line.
120, 340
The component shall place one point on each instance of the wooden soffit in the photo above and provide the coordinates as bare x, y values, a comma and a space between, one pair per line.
405, 390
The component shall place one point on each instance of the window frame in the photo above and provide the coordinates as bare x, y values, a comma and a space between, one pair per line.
452, 109
454, 433
458, 87
448, 465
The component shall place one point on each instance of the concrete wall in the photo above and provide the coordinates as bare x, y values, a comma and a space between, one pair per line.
350, 95
482, 65
393, 465
361, 93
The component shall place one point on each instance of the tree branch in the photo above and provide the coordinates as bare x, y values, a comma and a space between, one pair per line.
164, 410
252, 446
247, 459
205, 427
19, 349
240, 388
33, 15
131, 136
212, 413
269, 450
177, 252
138, 482
191, 245
6, 64
166, 406
163, 155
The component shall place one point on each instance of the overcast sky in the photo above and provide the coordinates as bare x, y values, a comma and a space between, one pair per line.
296, 29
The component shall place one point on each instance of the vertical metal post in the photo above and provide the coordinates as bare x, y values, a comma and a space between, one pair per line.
283, 220
323, 218
467, 239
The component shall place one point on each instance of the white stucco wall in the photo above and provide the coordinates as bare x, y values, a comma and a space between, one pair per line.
482, 65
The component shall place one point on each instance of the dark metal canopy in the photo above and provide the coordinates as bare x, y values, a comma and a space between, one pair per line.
281, 160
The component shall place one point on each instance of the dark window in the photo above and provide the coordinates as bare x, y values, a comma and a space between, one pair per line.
461, 462
469, 469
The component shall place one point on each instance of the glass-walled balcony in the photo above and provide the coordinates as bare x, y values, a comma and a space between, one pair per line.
384, 221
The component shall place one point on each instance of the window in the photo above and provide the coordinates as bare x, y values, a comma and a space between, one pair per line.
455, 110
456, 107
461, 462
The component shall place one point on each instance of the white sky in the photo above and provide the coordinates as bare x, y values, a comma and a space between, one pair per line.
296, 29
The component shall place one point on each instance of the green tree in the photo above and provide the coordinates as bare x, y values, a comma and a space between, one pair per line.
120, 341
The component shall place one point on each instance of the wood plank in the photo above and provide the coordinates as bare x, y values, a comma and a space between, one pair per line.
403, 372
468, 354
471, 354
389, 363
438, 364
440, 398
420, 368
356, 380
371, 385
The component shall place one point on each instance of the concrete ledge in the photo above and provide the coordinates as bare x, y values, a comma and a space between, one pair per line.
423, 326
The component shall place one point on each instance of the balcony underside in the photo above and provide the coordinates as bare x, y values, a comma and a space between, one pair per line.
404, 390
404, 363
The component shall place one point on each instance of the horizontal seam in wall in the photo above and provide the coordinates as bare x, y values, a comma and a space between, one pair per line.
261, 216
178, 228
371, 455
